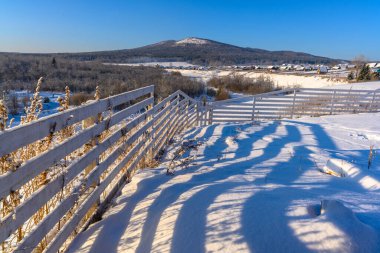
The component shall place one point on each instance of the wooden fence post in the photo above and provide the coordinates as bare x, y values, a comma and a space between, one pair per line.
294, 100
152, 117
210, 112
187, 113
197, 111
253, 107
373, 100
332, 103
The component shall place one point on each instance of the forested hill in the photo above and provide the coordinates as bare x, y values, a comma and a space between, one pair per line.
202, 52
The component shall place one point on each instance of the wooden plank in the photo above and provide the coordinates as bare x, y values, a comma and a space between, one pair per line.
233, 116
30, 242
273, 109
172, 107
245, 113
193, 122
184, 95
162, 104
176, 127
165, 110
69, 227
248, 108
86, 205
232, 120
176, 121
161, 124
13, 180
328, 94
279, 99
164, 133
338, 90
20, 136
99, 169
232, 100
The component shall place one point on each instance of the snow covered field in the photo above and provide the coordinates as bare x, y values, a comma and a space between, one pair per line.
253, 188
154, 64
282, 80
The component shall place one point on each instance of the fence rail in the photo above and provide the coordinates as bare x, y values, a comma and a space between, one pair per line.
290, 103
47, 198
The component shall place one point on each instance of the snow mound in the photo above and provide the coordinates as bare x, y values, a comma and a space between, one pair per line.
363, 238
195, 41
342, 168
230, 141
336, 167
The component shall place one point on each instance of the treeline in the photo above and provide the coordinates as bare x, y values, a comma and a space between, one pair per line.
21, 71
241, 84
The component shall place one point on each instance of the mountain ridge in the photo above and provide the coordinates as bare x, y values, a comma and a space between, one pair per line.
199, 51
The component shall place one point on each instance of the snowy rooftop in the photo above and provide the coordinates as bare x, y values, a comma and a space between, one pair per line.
254, 188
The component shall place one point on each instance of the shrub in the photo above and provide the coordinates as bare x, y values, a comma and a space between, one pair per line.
222, 94
376, 75
211, 92
12, 104
351, 76
240, 84
79, 98
46, 100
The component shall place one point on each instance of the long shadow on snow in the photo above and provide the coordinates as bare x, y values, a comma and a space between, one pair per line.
257, 208
324, 141
192, 133
172, 193
264, 220
192, 239
113, 231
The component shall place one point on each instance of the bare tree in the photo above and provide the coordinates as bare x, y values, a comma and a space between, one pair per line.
13, 104
359, 61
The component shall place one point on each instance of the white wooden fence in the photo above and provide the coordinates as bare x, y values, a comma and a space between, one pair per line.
106, 155
86, 170
291, 103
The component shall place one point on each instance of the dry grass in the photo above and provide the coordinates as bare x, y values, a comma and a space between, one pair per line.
15, 159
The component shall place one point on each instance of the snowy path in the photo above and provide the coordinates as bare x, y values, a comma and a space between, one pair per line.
252, 188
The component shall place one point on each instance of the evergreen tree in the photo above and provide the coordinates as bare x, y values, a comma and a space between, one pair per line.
351, 76
54, 62
365, 73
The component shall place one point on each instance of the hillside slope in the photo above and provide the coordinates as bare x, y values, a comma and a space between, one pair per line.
203, 52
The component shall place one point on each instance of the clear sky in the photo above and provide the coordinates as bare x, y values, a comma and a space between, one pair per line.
333, 28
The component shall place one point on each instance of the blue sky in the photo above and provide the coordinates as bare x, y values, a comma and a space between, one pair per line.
334, 28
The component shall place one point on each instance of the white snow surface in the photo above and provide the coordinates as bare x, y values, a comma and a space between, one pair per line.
255, 187
155, 63
48, 108
196, 41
